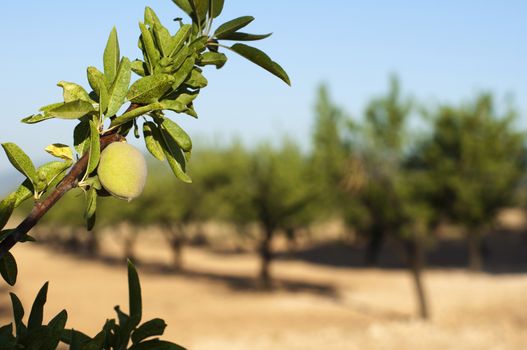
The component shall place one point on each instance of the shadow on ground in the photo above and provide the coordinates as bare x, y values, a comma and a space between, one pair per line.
235, 282
241, 283
503, 251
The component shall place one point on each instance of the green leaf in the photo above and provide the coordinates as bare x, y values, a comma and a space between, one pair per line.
98, 84
232, 26
112, 56
72, 110
150, 50
261, 59
187, 98
48, 172
184, 5
217, 59
134, 293
196, 80
27, 238
95, 148
182, 74
20, 161
165, 66
149, 89
120, 86
81, 134
48, 108
216, 7
149, 329
239, 36
23, 192
55, 327
180, 38
18, 314
58, 322
156, 344
39, 338
196, 9
150, 17
36, 118
181, 57
37, 310
135, 113
73, 92
175, 106
96, 343
125, 128
175, 157
124, 322
96, 79
178, 134
153, 140
6, 210
91, 208
199, 44
190, 111
182, 103
71, 336
201, 7
139, 68
7, 340
104, 100
163, 39
8, 268
60, 150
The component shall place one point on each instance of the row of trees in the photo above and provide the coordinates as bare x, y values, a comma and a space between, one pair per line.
381, 174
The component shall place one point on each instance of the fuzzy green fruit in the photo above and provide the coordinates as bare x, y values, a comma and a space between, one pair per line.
122, 170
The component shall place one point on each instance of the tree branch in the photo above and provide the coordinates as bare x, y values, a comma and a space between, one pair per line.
69, 182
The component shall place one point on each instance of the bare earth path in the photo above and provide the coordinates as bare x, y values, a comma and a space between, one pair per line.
212, 306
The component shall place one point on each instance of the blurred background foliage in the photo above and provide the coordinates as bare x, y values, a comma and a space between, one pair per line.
399, 173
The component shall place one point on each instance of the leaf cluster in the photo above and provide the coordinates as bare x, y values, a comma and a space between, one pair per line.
170, 77
124, 332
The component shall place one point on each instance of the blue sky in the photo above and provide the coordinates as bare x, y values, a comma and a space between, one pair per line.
442, 51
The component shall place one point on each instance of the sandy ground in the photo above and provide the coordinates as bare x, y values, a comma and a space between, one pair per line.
213, 306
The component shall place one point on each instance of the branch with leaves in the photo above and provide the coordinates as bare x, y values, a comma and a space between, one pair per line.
170, 78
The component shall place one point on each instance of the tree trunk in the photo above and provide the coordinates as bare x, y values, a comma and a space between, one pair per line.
176, 244
373, 249
291, 235
129, 244
175, 236
73, 243
415, 256
475, 251
266, 257
93, 245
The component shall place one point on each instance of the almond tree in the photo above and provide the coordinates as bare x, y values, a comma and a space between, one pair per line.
329, 153
272, 187
475, 159
170, 77
384, 193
